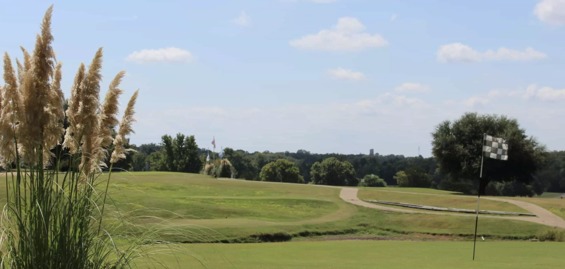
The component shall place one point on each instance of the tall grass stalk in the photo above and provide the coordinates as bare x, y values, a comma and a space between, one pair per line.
53, 219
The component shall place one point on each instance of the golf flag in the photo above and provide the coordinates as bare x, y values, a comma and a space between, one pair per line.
208, 157
214, 142
495, 148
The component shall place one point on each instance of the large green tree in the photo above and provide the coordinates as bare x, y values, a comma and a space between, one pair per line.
332, 171
181, 154
457, 147
281, 170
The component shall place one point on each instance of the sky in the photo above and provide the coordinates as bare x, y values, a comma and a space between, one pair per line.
327, 76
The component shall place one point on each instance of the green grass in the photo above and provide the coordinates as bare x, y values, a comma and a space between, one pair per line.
433, 197
359, 255
180, 207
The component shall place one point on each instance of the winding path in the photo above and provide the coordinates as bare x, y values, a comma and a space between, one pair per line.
543, 216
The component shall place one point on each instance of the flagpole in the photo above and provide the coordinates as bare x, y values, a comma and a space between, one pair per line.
478, 198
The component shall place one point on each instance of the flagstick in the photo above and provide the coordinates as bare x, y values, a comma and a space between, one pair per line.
478, 200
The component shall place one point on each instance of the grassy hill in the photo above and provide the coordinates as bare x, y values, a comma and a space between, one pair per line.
178, 207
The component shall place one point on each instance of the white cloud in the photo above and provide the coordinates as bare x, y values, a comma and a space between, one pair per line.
347, 35
393, 17
503, 54
457, 52
544, 93
412, 87
341, 73
551, 11
532, 92
242, 20
170, 54
474, 101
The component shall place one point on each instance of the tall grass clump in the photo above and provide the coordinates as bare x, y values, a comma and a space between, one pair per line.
53, 219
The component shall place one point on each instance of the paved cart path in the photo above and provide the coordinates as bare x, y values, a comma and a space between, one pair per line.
543, 216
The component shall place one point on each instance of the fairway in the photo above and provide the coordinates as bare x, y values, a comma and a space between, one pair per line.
194, 208
359, 255
181, 207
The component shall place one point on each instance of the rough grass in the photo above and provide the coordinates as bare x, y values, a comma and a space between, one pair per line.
433, 197
360, 254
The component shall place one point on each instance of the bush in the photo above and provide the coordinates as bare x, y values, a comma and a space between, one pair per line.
220, 168
512, 188
272, 237
372, 181
552, 235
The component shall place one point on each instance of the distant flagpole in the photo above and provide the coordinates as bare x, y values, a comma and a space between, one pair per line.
214, 144
478, 197
494, 148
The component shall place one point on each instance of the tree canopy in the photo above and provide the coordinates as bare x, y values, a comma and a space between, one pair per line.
332, 171
281, 170
457, 147
181, 154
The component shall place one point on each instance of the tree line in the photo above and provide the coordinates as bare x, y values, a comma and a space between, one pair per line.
454, 166
182, 154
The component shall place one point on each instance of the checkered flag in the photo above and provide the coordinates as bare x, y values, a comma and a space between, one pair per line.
495, 148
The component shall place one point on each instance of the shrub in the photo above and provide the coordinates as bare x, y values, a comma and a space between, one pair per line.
372, 181
219, 168
551, 235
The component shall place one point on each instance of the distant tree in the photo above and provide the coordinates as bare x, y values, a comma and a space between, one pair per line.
372, 181
139, 161
457, 148
148, 148
365, 165
157, 161
181, 154
281, 170
551, 177
401, 178
332, 171
413, 178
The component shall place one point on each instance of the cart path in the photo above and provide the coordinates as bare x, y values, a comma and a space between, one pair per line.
543, 216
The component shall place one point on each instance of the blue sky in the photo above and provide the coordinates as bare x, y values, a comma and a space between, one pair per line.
327, 76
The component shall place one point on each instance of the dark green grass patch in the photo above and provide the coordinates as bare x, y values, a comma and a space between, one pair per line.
361, 254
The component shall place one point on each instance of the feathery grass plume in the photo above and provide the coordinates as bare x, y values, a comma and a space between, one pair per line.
10, 113
35, 90
56, 114
27, 59
87, 118
72, 111
52, 219
108, 120
20, 71
108, 116
125, 129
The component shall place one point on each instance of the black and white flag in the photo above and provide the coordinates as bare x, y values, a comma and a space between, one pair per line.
495, 148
